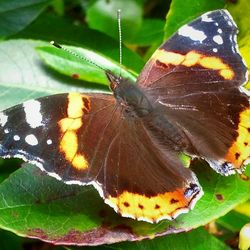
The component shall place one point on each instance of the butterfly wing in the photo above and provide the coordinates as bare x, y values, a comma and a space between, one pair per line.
195, 78
84, 139
206, 47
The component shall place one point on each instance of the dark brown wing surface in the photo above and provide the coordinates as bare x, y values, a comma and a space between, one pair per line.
84, 139
195, 78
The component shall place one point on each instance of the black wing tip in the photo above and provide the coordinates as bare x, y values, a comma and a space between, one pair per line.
217, 13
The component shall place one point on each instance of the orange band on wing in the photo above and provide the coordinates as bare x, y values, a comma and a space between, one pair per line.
78, 104
75, 105
151, 209
240, 150
70, 124
193, 58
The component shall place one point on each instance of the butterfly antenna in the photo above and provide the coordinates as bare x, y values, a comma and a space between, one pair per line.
120, 38
76, 55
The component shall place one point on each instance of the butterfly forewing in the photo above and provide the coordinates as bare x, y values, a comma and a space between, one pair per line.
205, 50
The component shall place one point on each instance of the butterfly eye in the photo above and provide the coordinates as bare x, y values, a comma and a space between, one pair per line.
114, 81
113, 86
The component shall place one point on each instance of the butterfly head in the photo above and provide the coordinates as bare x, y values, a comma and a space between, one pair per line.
114, 80
129, 95
118, 85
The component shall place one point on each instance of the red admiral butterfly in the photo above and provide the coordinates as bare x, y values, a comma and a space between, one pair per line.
188, 99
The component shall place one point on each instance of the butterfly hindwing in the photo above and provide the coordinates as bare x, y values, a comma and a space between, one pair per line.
84, 139
196, 77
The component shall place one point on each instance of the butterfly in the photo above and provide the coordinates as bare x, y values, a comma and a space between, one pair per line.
188, 99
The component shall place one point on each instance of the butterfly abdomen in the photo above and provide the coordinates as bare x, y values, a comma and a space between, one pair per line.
165, 132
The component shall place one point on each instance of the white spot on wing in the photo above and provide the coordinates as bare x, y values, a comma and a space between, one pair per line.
72, 182
205, 18
219, 31
3, 119
49, 141
235, 48
215, 50
229, 18
16, 137
32, 109
6, 131
31, 140
218, 39
193, 34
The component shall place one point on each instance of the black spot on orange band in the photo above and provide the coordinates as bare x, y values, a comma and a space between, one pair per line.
239, 152
153, 208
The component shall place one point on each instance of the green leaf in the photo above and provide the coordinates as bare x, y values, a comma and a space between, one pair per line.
102, 16
7, 167
244, 209
198, 239
233, 221
151, 32
50, 210
58, 6
228, 227
240, 12
66, 33
16, 15
10, 241
23, 73
79, 63
181, 12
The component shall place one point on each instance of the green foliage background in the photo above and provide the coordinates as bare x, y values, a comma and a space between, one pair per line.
34, 205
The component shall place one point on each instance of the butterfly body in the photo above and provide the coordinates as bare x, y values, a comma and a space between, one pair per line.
130, 97
188, 99
135, 104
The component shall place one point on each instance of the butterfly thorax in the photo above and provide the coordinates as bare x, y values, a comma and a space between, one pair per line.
135, 103
130, 97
